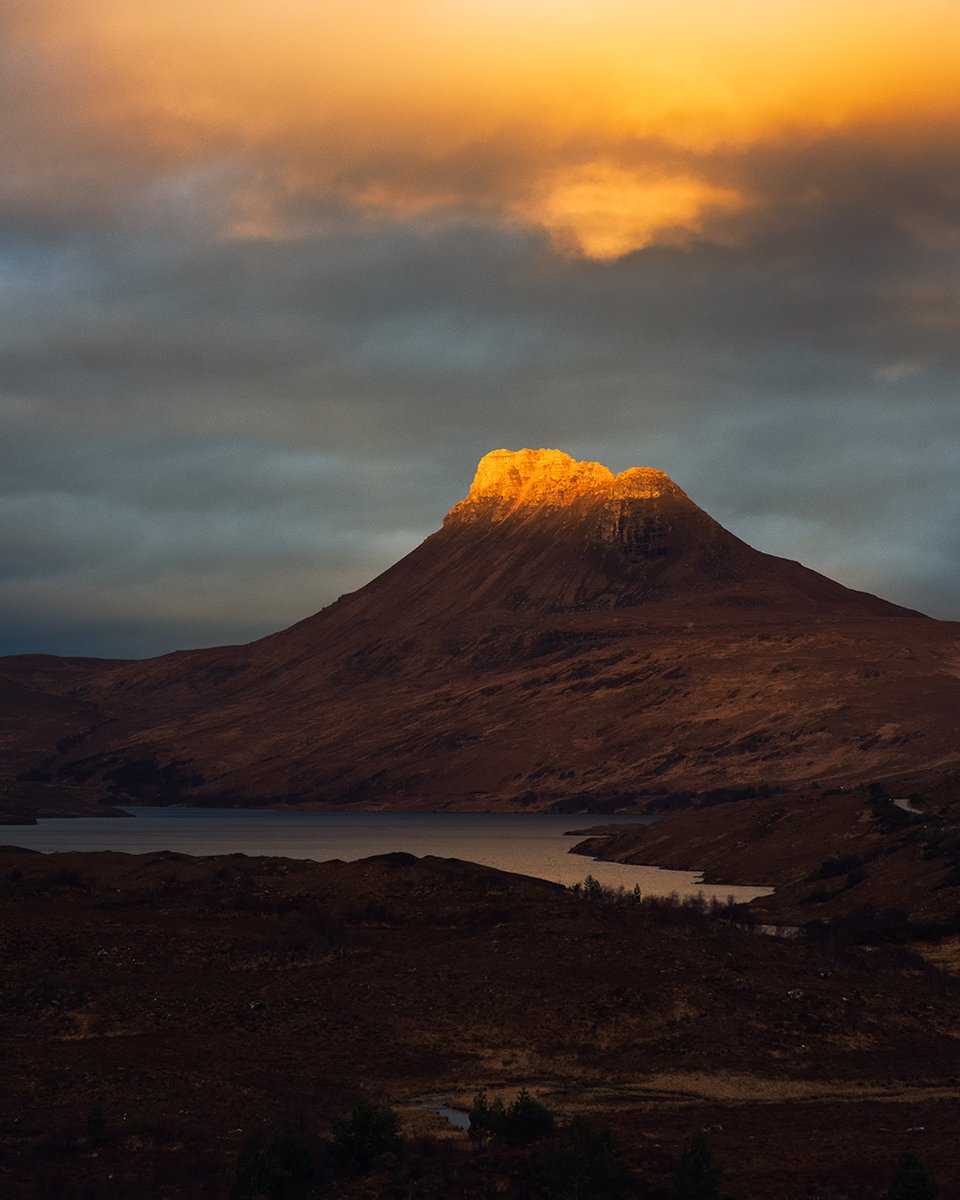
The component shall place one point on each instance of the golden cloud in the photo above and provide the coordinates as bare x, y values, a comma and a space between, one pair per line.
609, 124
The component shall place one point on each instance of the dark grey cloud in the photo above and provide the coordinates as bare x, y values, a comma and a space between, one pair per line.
204, 438
113, 545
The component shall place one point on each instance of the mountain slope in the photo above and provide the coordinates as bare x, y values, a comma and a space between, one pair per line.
568, 637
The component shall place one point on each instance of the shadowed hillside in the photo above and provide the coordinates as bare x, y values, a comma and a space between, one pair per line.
568, 638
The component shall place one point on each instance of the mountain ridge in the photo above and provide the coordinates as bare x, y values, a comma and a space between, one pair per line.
566, 638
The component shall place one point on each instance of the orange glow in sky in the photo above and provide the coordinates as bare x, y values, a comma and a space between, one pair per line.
610, 125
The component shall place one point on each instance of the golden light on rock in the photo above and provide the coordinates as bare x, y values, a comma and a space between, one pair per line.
512, 480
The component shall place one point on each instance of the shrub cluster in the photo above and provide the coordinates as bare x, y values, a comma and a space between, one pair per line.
666, 910
525, 1121
517, 1150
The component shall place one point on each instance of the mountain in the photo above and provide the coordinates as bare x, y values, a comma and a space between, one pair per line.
568, 638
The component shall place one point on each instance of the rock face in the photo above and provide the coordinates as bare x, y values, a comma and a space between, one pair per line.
568, 638
514, 481
608, 530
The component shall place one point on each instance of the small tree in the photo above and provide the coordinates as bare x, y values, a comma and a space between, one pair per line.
527, 1120
486, 1119
912, 1180
283, 1168
96, 1125
587, 1164
696, 1177
592, 888
368, 1140
246, 1180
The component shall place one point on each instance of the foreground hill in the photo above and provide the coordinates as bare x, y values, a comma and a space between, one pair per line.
568, 638
192, 1002
870, 863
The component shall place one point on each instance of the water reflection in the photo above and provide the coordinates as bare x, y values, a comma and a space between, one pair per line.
525, 843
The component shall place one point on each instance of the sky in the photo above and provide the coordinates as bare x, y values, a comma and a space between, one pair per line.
275, 274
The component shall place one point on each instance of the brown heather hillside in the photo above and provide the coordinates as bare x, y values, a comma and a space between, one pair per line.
568, 639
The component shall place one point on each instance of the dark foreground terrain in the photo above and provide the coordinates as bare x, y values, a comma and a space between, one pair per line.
157, 1010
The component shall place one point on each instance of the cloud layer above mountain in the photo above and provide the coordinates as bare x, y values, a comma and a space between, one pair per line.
274, 277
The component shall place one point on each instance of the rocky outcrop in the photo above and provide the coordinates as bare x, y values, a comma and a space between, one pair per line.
511, 482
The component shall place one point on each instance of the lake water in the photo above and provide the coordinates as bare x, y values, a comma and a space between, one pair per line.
525, 843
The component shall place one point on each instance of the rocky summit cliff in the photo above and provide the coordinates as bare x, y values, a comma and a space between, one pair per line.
569, 638
572, 533
515, 482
